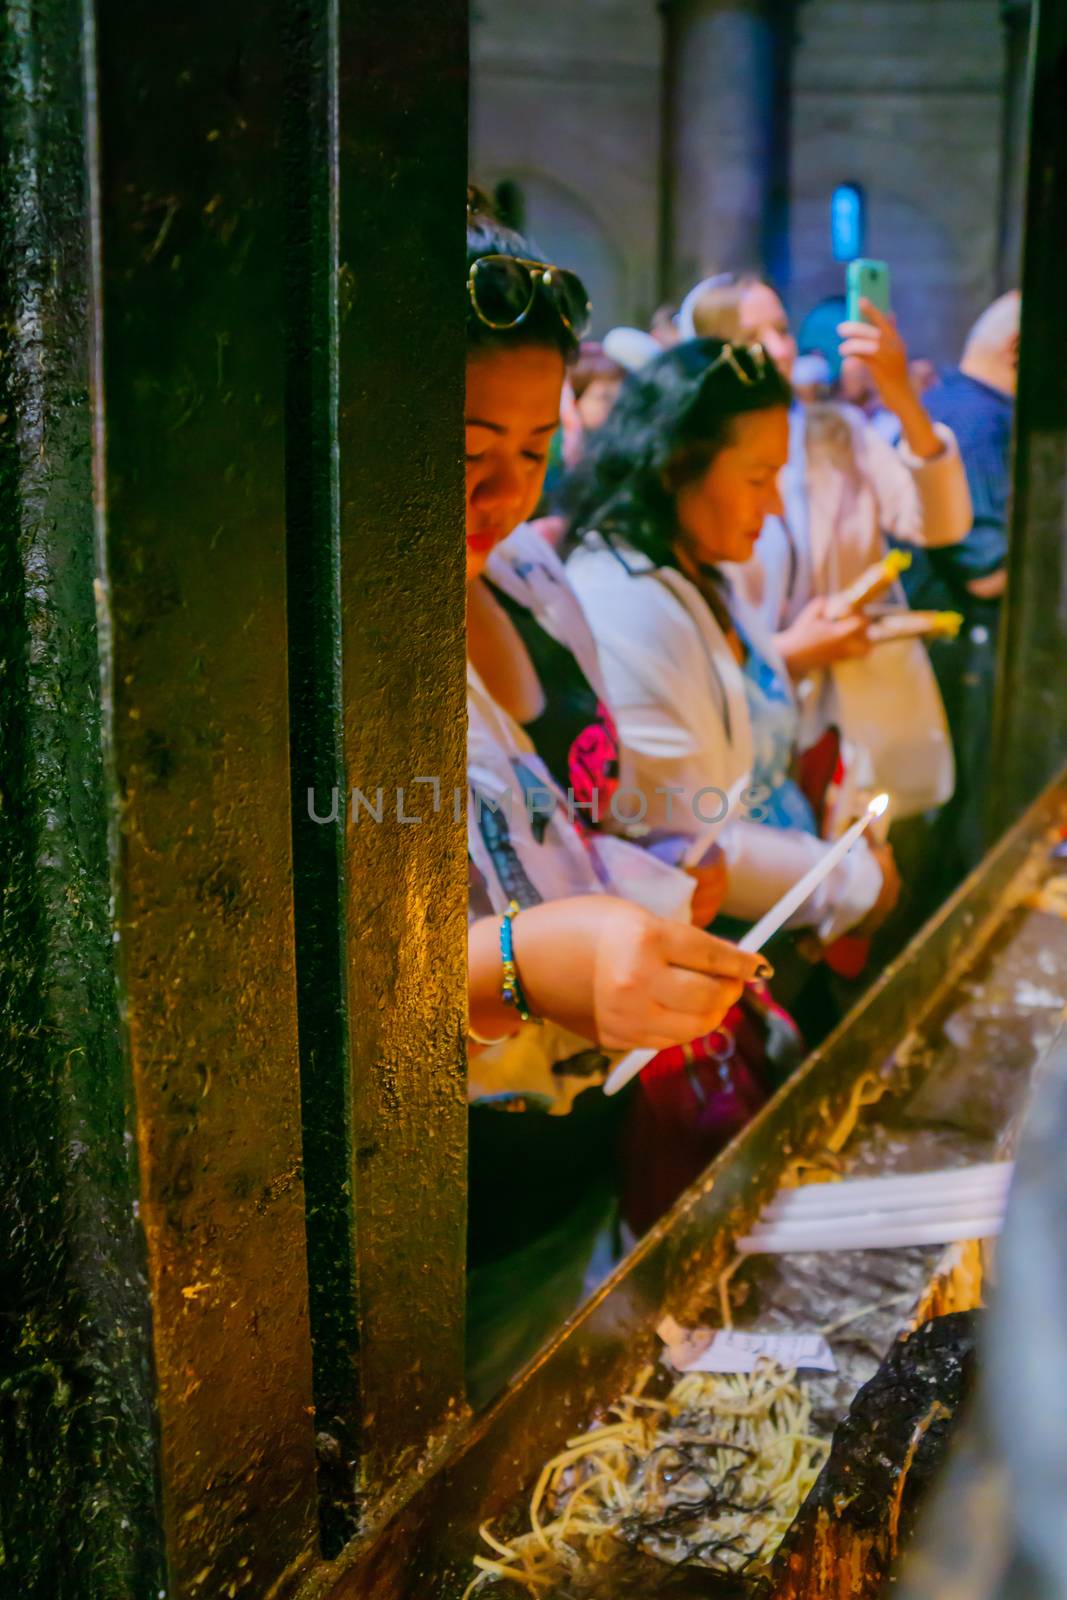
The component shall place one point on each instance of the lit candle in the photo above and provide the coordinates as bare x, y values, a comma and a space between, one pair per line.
767, 926
793, 899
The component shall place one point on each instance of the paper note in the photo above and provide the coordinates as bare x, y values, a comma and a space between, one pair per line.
728, 1350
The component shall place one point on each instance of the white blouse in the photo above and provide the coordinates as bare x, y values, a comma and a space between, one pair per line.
678, 694
523, 845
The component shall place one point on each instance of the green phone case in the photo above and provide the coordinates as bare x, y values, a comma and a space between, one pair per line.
867, 280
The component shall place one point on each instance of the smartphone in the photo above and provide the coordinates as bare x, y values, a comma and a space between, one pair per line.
866, 280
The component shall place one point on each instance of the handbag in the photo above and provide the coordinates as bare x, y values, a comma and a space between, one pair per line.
692, 1099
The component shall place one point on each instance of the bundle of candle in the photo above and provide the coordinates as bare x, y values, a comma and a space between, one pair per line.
870, 585
710, 1477
904, 624
880, 1213
822, 1166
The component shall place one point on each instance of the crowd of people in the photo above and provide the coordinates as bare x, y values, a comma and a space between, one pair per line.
670, 719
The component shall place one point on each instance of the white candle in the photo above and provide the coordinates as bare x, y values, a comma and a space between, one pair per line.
794, 898
986, 1182
888, 1233
767, 926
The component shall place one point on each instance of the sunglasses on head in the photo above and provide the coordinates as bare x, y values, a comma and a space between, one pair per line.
502, 290
747, 362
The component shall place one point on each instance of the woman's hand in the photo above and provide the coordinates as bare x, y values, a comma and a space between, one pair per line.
658, 983
610, 971
711, 880
877, 343
815, 640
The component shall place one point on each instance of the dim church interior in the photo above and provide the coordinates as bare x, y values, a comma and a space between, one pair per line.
649, 144
159, 1432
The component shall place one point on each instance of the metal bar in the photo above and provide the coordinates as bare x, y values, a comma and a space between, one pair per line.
78, 1490
1030, 738
401, 175
426, 1549
312, 510
190, 496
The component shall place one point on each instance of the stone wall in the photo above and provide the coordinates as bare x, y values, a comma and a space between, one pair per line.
905, 97
566, 101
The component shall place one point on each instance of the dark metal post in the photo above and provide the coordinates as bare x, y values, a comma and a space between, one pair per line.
157, 1430
232, 301
401, 350
377, 139
1031, 719
190, 489
79, 1479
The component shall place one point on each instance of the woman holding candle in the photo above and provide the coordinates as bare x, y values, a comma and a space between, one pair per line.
844, 489
678, 484
580, 944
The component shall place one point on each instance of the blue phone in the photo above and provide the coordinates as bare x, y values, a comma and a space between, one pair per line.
866, 280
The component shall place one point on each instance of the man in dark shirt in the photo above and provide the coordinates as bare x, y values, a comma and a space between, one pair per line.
977, 401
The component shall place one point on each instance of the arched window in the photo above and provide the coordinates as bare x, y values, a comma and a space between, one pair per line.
848, 221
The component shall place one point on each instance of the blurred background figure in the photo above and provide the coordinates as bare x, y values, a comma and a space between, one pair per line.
923, 375
856, 387
977, 401
596, 379
589, 392
632, 348
811, 377
664, 327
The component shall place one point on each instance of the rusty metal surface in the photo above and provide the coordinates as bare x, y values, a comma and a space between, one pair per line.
375, 145
189, 467
398, 637
426, 1551
78, 1486
311, 488
232, 300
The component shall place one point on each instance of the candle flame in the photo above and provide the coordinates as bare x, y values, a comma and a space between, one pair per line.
879, 805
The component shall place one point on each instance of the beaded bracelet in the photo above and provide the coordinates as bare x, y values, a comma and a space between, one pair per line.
511, 993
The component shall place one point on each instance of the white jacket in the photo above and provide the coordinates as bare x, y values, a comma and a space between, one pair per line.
679, 698
839, 503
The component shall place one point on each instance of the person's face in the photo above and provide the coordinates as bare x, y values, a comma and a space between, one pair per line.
596, 400
664, 329
763, 321
1012, 364
923, 375
720, 514
855, 383
512, 411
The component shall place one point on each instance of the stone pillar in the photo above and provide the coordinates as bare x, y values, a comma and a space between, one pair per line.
1016, 19
725, 138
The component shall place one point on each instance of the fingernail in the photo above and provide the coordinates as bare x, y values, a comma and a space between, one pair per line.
765, 970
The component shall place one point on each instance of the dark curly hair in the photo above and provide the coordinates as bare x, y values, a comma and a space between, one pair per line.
670, 421
488, 236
